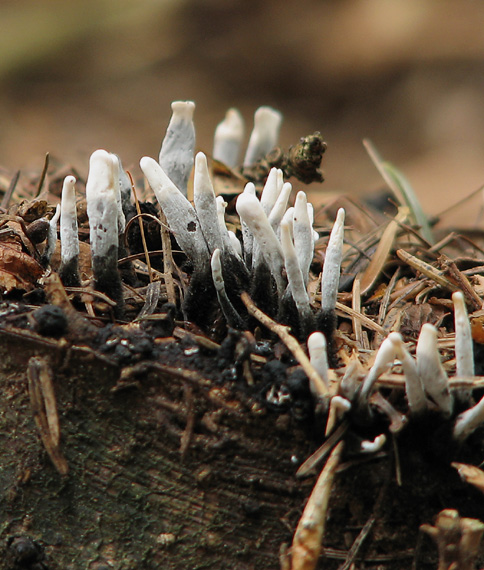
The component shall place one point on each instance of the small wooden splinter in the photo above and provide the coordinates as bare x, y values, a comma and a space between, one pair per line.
44, 407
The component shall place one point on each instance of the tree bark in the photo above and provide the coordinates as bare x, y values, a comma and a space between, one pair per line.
167, 468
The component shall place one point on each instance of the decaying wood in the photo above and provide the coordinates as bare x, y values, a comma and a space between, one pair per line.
307, 544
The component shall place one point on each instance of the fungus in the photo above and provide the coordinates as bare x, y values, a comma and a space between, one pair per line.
417, 402
231, 315
297, 287
318, 356
228, 139
367, 446
178, 147
265, 133
431, 371
464, 352
102, 211
180, 214
330, 280
279, 208
469, 421
303, 235
250, 210
272, 189
206, 204
69, 236
383, 360
247, 235
51, 238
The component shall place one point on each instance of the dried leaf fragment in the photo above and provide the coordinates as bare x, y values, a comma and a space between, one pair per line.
18, 270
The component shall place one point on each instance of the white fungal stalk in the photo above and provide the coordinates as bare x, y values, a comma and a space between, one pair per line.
373, 446
318, 356
230, 313
228, 139
294, 275
277, 212
206, 204
384, 359
247, 235
124, 189
51, 237
469, 421
272, 189
332, 264
180, 214
177, 150
236, 245
102, 209
229, 245
69, 234
303, 235
250, 210
464, 353
417, 402
117, 191
338, 407
264, 135
431, 371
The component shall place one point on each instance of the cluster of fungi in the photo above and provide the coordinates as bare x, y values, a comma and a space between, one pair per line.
364, 321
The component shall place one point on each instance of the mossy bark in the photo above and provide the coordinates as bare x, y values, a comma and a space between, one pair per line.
166, 470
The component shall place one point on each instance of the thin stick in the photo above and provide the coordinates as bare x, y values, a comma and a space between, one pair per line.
43, 175
306, 545
366, 321
141, 228
356, 306
167, 259
426, 269
322, 451
10, 190
44, 408
291, 343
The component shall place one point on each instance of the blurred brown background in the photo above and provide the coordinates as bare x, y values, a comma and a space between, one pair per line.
77, 75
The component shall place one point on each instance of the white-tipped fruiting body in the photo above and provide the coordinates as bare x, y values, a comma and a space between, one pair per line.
464, 352
231, 315
227, 243
247, 236
236, 245
417, 402
51, 236
383, 360
303, 234
250, 210
180, 214
117, 191
69, 234
431, 371
228, 138
469, 421
264, 136
206, 204
318, 355
332, 264
178, 147
216, 265
277, 212
288, 218
102, 209
125, 187
373, 446
272, 189
293, 271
